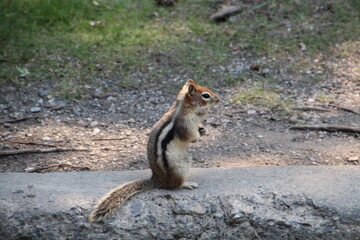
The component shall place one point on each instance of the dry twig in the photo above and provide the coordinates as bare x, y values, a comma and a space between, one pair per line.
56, 167
318, 109
166, 3
328, 128
104, 95
54, 107
31, 151
345, 109
34, 143
108, 139
18, 119
224, 13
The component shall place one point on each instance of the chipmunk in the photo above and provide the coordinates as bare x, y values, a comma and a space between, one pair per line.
166, 149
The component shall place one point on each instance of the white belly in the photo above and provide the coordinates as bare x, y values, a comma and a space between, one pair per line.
178, 157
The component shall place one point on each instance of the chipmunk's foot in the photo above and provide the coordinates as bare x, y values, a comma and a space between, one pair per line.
190, 185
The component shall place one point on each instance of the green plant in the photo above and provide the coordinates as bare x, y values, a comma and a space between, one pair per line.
262, 98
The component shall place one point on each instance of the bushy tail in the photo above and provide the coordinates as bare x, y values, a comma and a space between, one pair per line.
114, 199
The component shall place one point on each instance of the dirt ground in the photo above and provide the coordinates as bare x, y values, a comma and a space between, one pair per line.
108, 130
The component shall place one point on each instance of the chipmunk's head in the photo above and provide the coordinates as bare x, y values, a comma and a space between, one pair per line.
198, 96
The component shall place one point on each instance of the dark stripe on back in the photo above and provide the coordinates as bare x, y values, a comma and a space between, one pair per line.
169, 137
166, 164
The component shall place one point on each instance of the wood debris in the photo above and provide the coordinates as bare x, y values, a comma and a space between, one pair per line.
224, 13
328, 128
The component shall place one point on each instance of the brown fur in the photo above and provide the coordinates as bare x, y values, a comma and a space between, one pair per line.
169, 180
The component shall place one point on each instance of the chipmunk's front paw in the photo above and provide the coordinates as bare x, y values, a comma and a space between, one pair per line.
196, 137
190, 185
202, 131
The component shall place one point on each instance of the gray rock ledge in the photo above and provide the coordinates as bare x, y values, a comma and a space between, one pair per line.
292, 202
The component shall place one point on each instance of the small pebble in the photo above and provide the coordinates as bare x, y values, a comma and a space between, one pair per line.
96, 131
131, 120
62, 104
110, 98
46, 139
94, 123
353, 158
35, 109
29, 169
76, 112
265, 71
251, 112
42, 93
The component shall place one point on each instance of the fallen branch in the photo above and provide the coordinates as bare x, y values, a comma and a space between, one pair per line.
55, 108
34, 143
345, 109
166, 3
104, 95
31, 151
134, 103
328, 128
318, 109
56, 167
224, 13
108, 139
18, 119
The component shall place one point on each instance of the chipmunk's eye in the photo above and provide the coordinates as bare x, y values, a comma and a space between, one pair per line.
206, 95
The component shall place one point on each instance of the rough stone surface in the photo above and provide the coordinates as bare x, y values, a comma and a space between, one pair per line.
309, 202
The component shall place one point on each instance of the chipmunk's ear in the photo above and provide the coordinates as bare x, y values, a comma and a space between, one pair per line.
191, 81
191, 89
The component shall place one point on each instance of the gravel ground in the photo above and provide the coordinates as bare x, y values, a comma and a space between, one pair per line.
112, 126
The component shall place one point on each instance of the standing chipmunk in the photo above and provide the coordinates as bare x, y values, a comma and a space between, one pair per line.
166, 149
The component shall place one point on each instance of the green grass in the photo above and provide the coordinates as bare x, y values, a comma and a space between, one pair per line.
261, 97
79, 42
